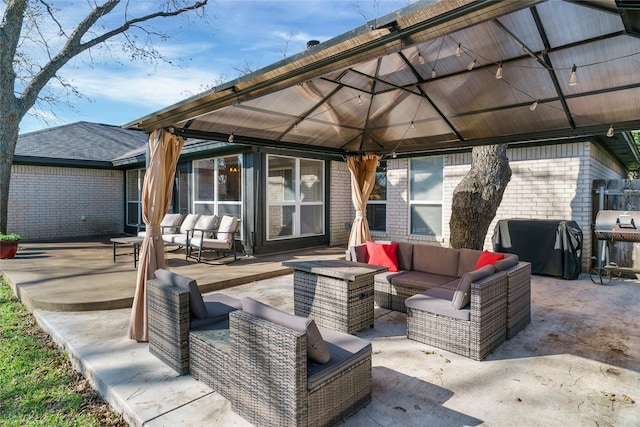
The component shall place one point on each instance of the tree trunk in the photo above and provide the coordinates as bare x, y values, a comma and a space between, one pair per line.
9, 128
477, 197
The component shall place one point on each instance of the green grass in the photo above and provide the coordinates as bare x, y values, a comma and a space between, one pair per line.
38, 386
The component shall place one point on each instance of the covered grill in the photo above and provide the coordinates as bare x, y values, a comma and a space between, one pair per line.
618, 226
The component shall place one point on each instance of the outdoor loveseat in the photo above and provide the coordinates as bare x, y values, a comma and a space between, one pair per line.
461, 300
275, 368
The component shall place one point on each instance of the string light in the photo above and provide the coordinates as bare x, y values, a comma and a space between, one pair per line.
534, 105
610, 131
359, 100
433, 73
458, 50
393, 155
499, 72
413, 126
295, 128
574, 77
420, 59
231, 138
471, 65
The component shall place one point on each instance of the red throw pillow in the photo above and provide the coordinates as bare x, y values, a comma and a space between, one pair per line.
488, 258
383, 254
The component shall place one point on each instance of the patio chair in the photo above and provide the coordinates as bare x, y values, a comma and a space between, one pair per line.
205, 226
175, 309
187, 224
473, 331
222, 241
170, 223
288, 371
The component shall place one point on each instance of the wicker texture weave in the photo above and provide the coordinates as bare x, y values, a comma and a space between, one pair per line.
518, 298
168, 319
269, 383
210, 357
393, 296
474, 338
337, 304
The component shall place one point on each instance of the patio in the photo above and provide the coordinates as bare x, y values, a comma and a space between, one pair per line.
577, 363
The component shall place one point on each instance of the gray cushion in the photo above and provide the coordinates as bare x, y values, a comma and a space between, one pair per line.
434, 305
436, 260
359, 253
386, 276
196, 305
189, 223
462, 295
468, 260
405, 256
420, 280
441, 293
510, 260
316, 348
346, 350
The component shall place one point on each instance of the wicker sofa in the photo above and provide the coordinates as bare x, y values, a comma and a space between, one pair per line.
274, 367
450, 303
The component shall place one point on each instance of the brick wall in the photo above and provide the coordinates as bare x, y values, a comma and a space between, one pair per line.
551, 182
49, 202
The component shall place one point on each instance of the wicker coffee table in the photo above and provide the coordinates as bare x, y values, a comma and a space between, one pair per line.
337, 294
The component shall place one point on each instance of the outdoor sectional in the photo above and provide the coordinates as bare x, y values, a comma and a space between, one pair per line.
275, 368
450, 303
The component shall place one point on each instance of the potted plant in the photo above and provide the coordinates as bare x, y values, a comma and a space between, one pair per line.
9, 245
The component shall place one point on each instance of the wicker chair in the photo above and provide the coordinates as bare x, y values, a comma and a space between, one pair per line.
472, 332
274, 383
175, 312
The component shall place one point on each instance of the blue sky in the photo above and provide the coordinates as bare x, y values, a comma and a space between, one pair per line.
237, 34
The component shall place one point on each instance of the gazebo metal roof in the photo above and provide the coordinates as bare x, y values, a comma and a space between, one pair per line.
405, 84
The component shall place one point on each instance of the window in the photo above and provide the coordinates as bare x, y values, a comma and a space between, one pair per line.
377, 204
135, 180
217, 186
295, 197
426, 196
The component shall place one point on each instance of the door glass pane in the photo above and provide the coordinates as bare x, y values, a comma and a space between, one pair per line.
281, 221
183, 192
229, 179
379, 191
203, 172
426, 220
229, 209
311, 185
425, 179
205, 208
311, 219
132, 213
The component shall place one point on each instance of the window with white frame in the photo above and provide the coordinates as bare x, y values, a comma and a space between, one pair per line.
217, 186
295, 197
426, 196
135, 180
377, 204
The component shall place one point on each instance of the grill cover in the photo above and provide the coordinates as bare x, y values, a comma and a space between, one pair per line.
619, 226
553, 247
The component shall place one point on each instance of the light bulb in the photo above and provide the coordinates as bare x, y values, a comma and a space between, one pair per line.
433, 73
610, 131
458, 50
534, 106
231, 138
359, 100
420, 59
499, 72
295, 128
413, 126
393, 154
471, 65
574, 77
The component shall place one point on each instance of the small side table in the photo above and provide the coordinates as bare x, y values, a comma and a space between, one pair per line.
337, 294
124, 241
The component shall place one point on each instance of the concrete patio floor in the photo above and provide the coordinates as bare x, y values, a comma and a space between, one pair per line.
576, 364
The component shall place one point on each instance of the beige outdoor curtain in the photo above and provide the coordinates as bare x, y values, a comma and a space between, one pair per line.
363, 176
164, 150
